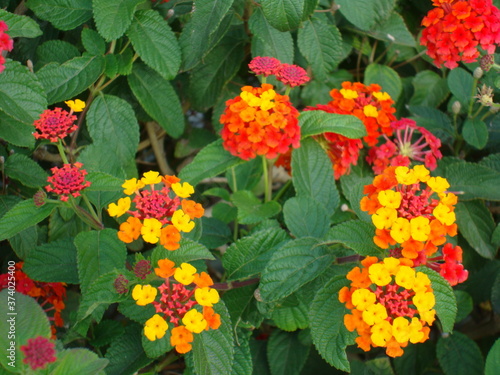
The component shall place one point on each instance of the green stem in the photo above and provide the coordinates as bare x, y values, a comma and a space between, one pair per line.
287, 91
89, 218
60, 148
282, 190
267, 180
235, 189
91, 208
471, 100
170, 358
478, 110
264, 79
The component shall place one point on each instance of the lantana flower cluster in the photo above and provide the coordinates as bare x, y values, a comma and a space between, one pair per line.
39, 352
289, 74
49, 295
177, 304
391, 305
409, 142
454, 29
69, 180
260, 122
413, 213
56, 124
6, 43
158, 212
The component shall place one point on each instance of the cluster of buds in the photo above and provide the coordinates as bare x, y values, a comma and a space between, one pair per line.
409, 143
159, 211
177, 305
39, 352
69, 180
6, 44
288, 74
49, 295
56, 124
260, 122
454, 29
391, 305
412, 212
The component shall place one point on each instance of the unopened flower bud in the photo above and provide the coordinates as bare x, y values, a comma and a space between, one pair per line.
344, 208
487, 62
39, 198
478, 73
456, 107
121, 284
142, 268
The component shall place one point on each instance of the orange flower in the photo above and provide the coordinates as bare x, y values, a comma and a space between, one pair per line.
170, 237
181, 339
192, 209
130, 230
203, 280
166, 268
211, 317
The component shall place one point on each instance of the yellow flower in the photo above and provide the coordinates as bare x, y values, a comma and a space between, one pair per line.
420, 228
438, 184
130, 186
381, 333
151, 230
183, 190
421, 283
266, 98
379, 274
424, 301
250, 99
400, 230
421, 173
206, 296
381, 95
151, 178
384, 217
444, 214
362, 298
405, 176
370, 111
401, 329
182, 221
391, 265
120, 208
448, 199
405, 277
144, 294
349, 94
194, 321
185, 274
389, 198
155, 327
374, 314
76, 105
428, 316
416, 334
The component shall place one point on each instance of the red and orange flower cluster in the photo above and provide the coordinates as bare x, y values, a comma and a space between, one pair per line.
288, 74
413, 214
69, 180
50, 296
6, 43
391, 304
177, 304
260, 122
158, 213
56, 124
454, 29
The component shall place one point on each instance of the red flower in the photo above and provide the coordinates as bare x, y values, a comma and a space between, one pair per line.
292, 75
265, 65
39, 352
68, 180
6, 43
54, 124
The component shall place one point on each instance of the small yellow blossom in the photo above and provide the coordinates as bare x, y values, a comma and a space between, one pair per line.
400, 230
349, 94
428, 316
438, 184
362, 298
391, 265
183, 190
421, 283
421, 173
120, 208
185, 274
444, 214
401, 329
130, 186
194, 321
151, 230
76, 105
151, 178
182, 221
384, 217
206, 296
155, 327
374, 314
420, 228
405, 176
379, 274
381, 333
144, 294
389, 198
381, 95
416, 334
405, 277
370, 111
424, 301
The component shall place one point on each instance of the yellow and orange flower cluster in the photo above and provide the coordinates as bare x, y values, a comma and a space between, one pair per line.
260, 122
159, 210
177, 304
391, 305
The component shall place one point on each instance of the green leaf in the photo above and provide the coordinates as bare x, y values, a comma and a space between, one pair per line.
430, 89
305, 217
213, 350
364, 14
57, 51
495, 294
446, 304
459, 355
394, 30
26, 170
153, 91
386, 77
474, 180
195, 38
328, 332
415, 359
476, 224
155, 43
111, 121
292, 265
248, 256
21, 93
219, 67
209, 162
28, 322
465, 304
99, 252
157, 348
251, 210
493, 359
242, 364
286, 354
313, 174
245, 176
283, 15
93, 42
187, 252
20, 26
291, 318
433, 120
23, 215
65, 81
96, 158
215, 233
475, 133
321, 45
318, 122
79, 361
272, 42
63, 14
460, 83
16, 132
25, 242
53, 262
113, 17
356, 235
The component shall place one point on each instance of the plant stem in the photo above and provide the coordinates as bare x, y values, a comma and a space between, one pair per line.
60, 148
471, 100
284, 188
268, 183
